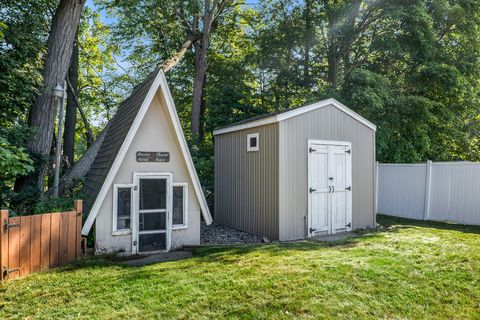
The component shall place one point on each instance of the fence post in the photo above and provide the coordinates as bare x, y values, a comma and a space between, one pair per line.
376, 188
428, 177
78, 205
3, 244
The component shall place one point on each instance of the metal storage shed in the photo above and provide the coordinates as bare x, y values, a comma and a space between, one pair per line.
303, 172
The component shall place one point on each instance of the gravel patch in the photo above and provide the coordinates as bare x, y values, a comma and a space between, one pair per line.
220, 234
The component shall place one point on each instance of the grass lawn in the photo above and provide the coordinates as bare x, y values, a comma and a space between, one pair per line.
410, 270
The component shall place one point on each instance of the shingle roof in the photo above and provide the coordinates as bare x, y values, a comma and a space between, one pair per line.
116, 133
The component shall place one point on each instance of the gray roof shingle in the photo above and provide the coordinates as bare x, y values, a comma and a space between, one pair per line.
117, 131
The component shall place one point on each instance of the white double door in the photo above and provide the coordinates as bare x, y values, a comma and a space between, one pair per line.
329, 187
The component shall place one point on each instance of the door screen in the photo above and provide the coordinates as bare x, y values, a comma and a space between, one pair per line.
152, 215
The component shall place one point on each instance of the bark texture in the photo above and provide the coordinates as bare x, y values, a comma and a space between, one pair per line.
201, 51
79, 170
71, 112
43, 113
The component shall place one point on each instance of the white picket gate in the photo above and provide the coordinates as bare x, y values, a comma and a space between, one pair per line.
440, 191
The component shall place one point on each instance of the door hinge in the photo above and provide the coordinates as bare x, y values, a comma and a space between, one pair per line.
311, 150
349, 225
312, 230
347, 151
312, 190
349, 188
7, 225
7, 271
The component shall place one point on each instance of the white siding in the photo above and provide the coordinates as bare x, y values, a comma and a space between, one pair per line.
454, 191
401, 190
156, 133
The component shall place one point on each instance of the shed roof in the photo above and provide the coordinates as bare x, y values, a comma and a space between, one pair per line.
273, 117
120, 132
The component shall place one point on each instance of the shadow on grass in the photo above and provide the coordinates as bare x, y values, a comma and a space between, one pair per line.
390, 223
230, 255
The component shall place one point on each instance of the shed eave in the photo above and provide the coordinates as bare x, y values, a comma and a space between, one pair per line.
295, 112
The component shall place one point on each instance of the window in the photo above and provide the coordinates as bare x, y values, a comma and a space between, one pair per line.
179, 207
252, 142
122, 208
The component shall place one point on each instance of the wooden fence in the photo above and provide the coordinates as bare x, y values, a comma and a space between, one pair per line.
39, 242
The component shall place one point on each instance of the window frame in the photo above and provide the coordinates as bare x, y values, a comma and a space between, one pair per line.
257, 147
184, 186
115, 231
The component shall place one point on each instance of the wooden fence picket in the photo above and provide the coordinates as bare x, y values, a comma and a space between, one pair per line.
38, 242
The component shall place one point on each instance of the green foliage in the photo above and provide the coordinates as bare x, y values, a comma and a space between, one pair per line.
60, 204
14, 161
409, 66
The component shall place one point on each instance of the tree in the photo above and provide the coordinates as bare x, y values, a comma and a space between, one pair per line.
43, 112
170, 30
71, 109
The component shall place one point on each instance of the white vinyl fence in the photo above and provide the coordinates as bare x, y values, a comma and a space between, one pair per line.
440, 191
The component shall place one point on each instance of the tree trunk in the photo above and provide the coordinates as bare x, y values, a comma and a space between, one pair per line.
43, 113
201, 51
79, 170
174, 59
198, 85
71, 112
333, 65
88, 130
308, 38
203, 108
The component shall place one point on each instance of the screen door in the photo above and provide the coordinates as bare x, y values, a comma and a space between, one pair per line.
153, 213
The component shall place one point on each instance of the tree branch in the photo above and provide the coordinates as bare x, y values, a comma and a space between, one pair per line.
88, 130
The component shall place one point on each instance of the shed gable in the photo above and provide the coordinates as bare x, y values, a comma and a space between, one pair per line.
120, 134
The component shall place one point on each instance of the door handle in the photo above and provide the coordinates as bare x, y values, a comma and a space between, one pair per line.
333, 188
329, 189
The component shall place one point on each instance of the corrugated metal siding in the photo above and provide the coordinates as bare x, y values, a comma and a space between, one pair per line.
246, 183
328, 123
401, 190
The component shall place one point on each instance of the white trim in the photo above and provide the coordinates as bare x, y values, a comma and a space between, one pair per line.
294, 113
247, 125
329, 142
159, 82
186, 153
151, 210
136, 205
115, 231
184, 225
349, 203
249, 147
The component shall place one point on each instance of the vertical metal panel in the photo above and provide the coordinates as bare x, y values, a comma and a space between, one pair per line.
246, 183
401, 190
328, 123
455, 192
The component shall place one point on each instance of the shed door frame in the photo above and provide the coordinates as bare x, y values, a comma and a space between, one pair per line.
310, 143
136, 205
